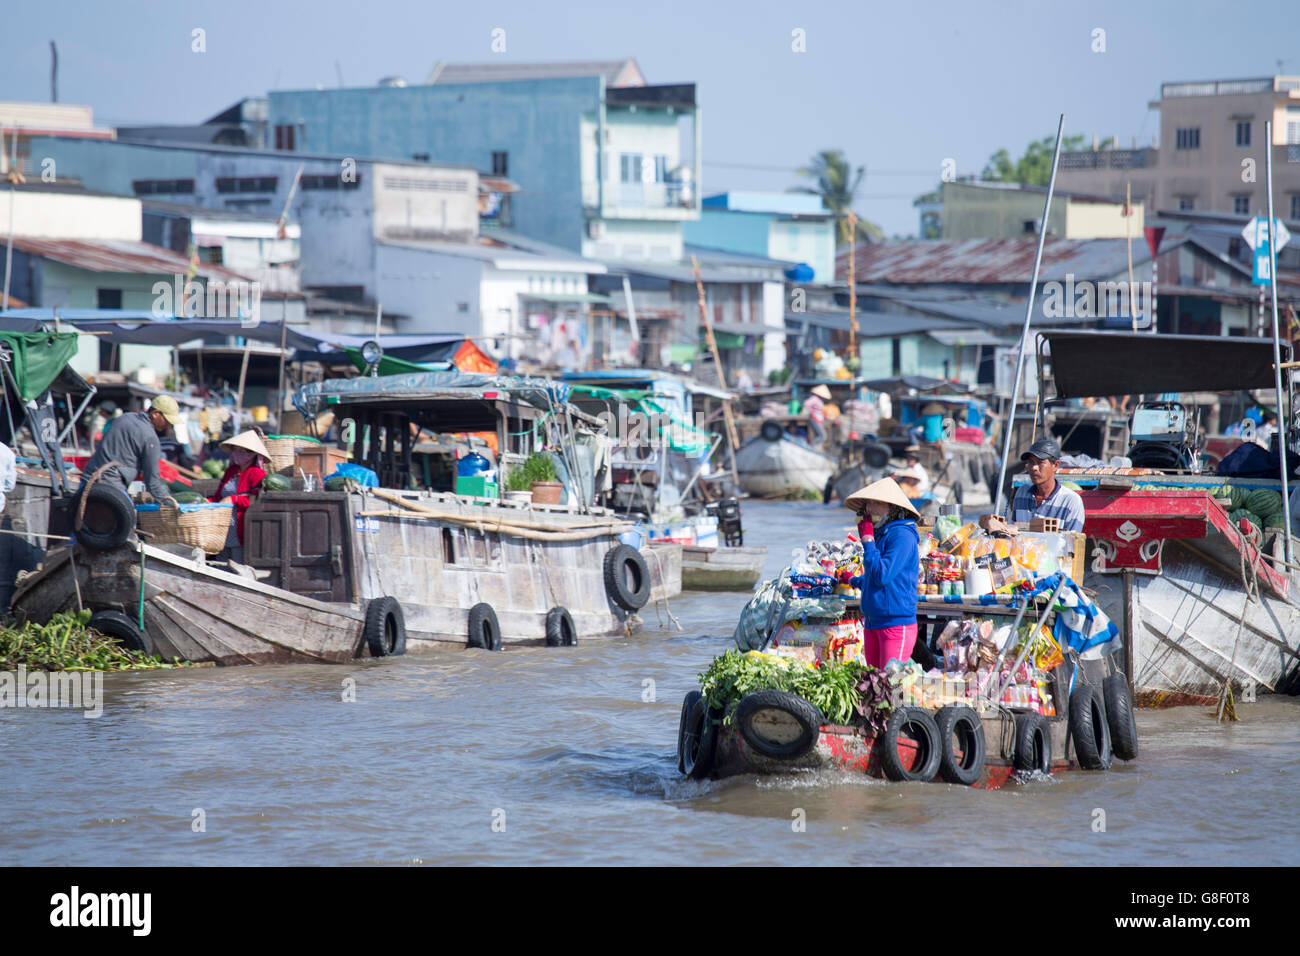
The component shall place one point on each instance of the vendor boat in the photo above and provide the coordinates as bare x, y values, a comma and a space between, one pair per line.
1203, 600
372, 571
775, 465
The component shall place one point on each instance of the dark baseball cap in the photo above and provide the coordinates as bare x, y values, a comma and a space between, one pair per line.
1045, 448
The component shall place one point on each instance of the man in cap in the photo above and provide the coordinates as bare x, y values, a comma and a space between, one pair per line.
1045, 497
133, 445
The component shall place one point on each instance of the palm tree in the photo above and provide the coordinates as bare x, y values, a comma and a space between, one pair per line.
836, 184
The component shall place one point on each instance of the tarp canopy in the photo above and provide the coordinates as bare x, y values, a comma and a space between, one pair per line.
312, 398
922, 383
38, 358
679, 433
1093, 364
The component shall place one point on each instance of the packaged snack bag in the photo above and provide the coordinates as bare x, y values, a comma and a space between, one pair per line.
954, 540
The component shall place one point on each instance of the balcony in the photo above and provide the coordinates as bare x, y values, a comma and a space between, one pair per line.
641, 200
1293, 153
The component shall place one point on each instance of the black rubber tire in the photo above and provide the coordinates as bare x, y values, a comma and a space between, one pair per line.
962, 722
876, 455
385, 628
829, 491
804, 713
560, 631
109, 518
1120, 717
484, 629
618, 562
921, 728
1089, 728
122, 628
959, 492
688, 704
771, 431
699, 741
1033, 744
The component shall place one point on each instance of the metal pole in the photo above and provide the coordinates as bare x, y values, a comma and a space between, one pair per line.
1029, 314
1283, 415
16, 177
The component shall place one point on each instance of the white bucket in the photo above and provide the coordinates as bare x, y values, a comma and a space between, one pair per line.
979, 581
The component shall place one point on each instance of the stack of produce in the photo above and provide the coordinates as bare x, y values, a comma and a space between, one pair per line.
960, 560
1262, 507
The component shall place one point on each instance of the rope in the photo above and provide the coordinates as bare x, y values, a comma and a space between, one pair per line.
667, 610
76, 585
36, 534
1227, 708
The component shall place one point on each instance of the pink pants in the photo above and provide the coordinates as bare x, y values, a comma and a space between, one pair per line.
882, 644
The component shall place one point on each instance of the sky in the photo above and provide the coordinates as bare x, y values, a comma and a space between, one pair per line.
898, 87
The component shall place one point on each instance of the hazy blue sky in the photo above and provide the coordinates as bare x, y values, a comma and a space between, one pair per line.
898, 86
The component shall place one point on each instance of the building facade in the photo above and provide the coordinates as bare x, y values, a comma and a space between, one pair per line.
791, 227
986, 210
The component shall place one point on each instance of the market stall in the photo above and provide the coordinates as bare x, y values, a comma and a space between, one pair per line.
1007, 689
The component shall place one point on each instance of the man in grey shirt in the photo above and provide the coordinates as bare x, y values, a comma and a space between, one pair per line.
132, 442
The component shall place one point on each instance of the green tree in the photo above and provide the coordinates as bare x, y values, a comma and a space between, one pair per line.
1032, 169
837, 182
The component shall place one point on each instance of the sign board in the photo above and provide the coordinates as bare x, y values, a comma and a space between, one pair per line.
1256, 233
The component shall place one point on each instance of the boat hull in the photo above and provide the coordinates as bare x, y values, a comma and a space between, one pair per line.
782, 468
722, 569
846, 749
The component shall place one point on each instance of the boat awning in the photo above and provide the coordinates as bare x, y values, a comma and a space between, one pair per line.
970, 337
1092, 364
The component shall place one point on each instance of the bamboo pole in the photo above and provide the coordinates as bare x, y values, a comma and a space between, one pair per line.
1029, 314
1283, 413
732, 440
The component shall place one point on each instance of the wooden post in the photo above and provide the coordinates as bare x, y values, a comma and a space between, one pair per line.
1128, 241
243, 373
1130, 627
732, 440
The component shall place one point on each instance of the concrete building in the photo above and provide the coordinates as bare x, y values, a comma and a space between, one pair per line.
26, 120
345, 207
607, 165
1210, 152
257, 246
989, 210
789, 227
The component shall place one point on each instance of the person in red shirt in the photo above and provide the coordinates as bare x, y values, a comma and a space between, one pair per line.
243, 477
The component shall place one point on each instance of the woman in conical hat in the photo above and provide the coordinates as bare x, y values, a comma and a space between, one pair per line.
242, 480
891, 563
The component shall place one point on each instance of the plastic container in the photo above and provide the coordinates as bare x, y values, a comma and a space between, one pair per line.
979, 581
472, 465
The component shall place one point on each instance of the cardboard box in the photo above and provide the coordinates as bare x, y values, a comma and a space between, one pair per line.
319, 460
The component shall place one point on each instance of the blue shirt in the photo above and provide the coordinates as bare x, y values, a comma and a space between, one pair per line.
890, 567
1062, 503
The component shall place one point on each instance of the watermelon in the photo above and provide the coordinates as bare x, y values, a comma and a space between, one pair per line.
276, 483
1263, 501
213, 468
189, 498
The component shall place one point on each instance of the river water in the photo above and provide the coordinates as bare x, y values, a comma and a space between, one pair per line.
567, 755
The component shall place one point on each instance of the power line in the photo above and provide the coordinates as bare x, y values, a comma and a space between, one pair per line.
795, 169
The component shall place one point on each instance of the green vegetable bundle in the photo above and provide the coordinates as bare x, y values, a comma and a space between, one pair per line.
839, 691
67, 644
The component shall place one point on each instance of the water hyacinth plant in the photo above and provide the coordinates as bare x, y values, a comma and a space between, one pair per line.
66, 643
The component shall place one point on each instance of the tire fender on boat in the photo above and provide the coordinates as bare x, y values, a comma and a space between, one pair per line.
916, 725
385, 627
1033, 744
1089, 728
123, 629
965, 725
778, 724
108, 519
688, 704
624, 562
560, 631
484, 629
771, 431
1120, 715
699, 737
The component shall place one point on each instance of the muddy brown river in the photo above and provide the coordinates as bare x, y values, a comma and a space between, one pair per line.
567, 755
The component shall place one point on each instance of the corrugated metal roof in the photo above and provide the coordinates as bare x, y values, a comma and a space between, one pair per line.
873, 324
120, 255
498, 72
990, 261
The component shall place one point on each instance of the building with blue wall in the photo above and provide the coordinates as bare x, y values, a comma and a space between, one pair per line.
606, 171
792, 227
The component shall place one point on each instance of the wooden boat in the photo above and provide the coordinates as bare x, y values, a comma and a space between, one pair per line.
329, 575
1202, 603
778, 466
722, 569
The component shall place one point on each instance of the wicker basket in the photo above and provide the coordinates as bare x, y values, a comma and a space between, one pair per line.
284, 451
200, 526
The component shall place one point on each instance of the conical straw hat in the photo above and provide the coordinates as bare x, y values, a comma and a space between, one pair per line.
821, 391
886, 491
249, 440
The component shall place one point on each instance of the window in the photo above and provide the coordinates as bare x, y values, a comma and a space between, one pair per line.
1241, 205
1243, 133
629, 168
661, 169
420, 157
247, 184
285, 137
500, 164
330, 181
108, 298
1295, 207
162, 187
1186, 202
1189, 138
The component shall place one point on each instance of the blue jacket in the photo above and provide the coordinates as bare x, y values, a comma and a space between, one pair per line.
890, 566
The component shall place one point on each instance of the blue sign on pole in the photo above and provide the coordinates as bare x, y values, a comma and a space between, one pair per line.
1262, 274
